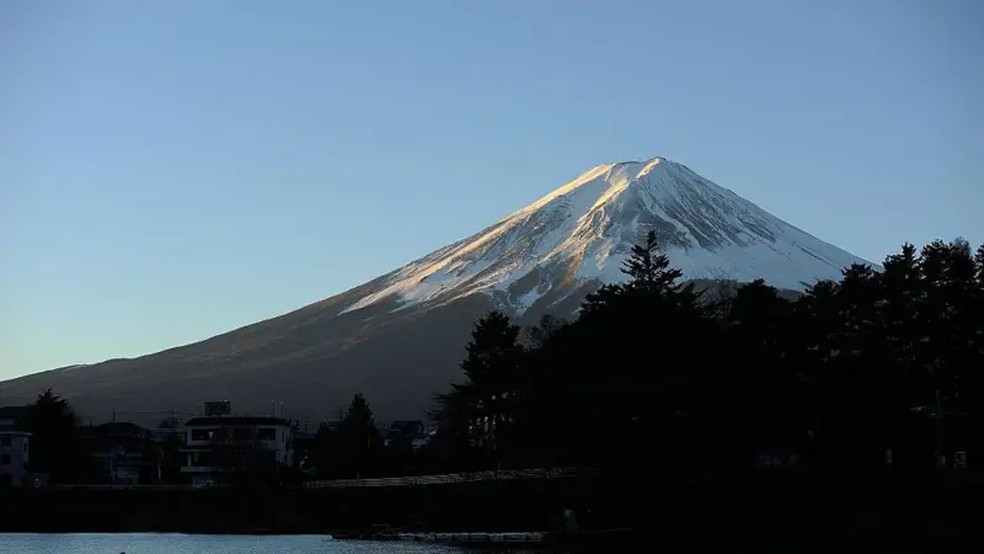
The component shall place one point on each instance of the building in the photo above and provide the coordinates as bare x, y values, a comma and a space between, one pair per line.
121, 453
13, 416
15, 447
14, 457
219, 446
304, 444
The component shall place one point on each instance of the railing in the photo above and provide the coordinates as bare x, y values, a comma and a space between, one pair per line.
447, 478
408, 481
119, 487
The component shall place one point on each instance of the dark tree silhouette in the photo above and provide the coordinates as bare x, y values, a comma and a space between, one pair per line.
881, 368
55, 442
492, 368
322, 455
649, 268
357, 441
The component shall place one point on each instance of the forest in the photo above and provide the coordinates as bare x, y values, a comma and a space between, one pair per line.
881, 370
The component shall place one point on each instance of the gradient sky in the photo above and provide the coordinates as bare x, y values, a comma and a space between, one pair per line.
173, 170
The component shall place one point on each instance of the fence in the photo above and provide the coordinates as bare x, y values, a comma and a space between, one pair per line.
447, 479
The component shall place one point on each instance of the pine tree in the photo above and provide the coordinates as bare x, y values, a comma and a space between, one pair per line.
757, 328
358, 440
972, 382
492, 368
452, 448
648, 267
857, 297
323, 453
902, 291
647, 376
650, 275
548, 326
55, 446
650, 378
979, 263
949, 279
902, 383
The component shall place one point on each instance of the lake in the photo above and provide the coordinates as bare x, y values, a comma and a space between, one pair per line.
173, 543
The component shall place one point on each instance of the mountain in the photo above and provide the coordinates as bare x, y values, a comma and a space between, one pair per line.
398, 338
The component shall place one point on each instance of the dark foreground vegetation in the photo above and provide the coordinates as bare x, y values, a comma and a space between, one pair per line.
852, 414
882, 371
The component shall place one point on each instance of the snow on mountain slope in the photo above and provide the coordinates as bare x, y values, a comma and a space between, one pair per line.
582, 231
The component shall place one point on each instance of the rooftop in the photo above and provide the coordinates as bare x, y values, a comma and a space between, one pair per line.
17, 413
237, 420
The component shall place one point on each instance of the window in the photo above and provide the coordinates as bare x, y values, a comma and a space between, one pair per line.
267, 434
4, 459
242, 433
201, 434
4, 441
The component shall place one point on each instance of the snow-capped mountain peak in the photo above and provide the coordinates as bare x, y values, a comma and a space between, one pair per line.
581, 232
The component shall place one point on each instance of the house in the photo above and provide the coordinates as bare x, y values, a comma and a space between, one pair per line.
13, 416
120, 453
15, 447
218, 446
14, 457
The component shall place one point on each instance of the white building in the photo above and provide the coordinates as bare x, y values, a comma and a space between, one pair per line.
15, 446
14, 456
219, 445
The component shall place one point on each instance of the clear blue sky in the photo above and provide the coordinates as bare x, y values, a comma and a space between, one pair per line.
172, 170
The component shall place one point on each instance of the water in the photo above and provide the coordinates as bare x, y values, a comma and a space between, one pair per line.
168, 543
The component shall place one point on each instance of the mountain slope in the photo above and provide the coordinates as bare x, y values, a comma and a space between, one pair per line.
582, 231
398, 338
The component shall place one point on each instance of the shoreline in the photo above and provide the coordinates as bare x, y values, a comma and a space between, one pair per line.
802, 512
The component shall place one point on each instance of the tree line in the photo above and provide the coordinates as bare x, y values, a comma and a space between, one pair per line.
883, 368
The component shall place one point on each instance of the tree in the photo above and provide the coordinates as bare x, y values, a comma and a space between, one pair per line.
757, 325
323, 453
490, 393
55, 441
979, 263
649, 268
451, 449
877, 363
359, 446
901, 382
652, 283
548, 326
